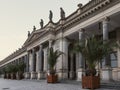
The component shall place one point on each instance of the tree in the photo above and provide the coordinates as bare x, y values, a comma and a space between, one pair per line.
21, 66
52, 59
94, 50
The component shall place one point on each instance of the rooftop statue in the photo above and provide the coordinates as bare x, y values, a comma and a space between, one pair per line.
28, 33
62, 14
50, 16
41, 23
34, 28
80, 5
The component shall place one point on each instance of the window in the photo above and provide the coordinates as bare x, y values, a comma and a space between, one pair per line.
113, 58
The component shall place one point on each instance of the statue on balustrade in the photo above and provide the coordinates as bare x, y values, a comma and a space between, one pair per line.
41, 23
62, 14
50, 16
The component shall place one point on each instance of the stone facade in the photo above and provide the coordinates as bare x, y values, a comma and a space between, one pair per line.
98, 17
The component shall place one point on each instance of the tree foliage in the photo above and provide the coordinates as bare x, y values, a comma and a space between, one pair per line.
52, 57
94, 50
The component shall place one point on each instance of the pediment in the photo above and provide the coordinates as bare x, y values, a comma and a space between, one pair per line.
33, 37
36, 34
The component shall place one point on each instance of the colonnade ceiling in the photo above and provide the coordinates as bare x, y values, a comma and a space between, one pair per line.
73, 36
96, 28
115, 21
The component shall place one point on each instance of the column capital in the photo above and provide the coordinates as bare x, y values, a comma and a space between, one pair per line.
50, 42
106, 19
81, 30
81, 34
40, 46
33, 49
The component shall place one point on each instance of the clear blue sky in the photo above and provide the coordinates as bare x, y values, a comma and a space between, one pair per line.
18, 16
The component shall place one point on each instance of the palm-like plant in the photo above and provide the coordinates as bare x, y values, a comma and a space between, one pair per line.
21, 66
9, 69
52, 59
94, 50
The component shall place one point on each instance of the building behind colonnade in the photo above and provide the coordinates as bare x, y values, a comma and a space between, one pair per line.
99, 17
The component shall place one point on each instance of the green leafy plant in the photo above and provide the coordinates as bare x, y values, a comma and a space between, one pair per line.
12, 68
21, 66
94, 50
52, 58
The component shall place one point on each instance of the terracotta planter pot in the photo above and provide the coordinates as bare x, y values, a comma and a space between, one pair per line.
13, 75
52, 78
5, 76
8, 76
91, 82
20, 76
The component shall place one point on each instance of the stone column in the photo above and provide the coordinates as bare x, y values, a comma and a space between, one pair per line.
72, 73
105, 28
50, 43
30, 61
62, 67
45, 59
107, 71
118, 54
39, 63
105, 37
33, 73
26, 63
33, 60
81, 62
27, 74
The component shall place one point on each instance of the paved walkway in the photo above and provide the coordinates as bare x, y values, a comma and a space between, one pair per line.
42, 85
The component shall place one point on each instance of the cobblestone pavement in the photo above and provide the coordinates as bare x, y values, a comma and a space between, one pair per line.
42, 85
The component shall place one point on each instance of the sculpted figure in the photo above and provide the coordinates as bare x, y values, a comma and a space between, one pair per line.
34, 28
28, 33
41, 23
62, 14
50, 16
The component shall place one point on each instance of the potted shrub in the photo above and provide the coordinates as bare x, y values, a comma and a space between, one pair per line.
93, 51
52, 60
21, 66
8, 71
14, 70
4, 72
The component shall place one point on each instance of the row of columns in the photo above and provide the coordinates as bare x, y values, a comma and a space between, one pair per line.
17, 61
64, 57
37, 63
106, 72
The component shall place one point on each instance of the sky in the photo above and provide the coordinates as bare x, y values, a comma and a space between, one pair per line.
17, 17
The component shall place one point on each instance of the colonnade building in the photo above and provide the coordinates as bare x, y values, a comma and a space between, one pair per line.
98, 17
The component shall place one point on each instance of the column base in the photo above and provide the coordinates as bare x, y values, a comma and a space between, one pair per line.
33, 75
79, 74
72, 75
27, 75
107, 74
62, 74
115, 74
40, 75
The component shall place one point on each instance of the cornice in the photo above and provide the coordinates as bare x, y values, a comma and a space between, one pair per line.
13, 55
87, 10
